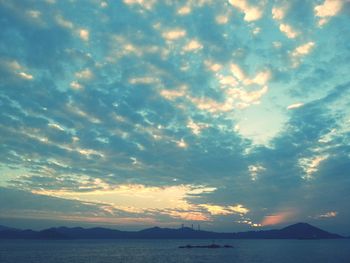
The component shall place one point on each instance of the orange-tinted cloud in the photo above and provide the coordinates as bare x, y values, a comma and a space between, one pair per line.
277, 218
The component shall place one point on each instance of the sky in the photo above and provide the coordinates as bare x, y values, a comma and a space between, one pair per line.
234, 115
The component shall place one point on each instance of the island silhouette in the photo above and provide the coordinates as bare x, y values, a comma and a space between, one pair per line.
295, 231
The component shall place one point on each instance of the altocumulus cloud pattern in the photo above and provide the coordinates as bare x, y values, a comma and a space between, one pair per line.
232, 114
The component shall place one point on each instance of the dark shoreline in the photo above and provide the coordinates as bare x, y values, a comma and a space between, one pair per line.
301, 231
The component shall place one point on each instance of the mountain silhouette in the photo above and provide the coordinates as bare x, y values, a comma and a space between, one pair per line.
296, 231
305, 230
2, 228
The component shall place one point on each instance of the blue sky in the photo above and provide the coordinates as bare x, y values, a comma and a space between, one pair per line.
231, 114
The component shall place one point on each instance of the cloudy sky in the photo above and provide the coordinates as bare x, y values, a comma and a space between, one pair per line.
234, 115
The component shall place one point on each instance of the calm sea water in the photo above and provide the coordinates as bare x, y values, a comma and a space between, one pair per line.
167, 251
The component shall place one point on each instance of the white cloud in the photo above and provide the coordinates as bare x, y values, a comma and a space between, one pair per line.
181, 143
136, 197
237, 88
255, 170
225, 210
79, 112
173, 94
196, 127
129, 48
212, 65
278, 13
174, 34
146, 4
192, 46
328, 136
16, 68
228, 80
253, 97
237, 72
144, 80
295, 106
251, 13
103, 4
301, 51
89, 152
60, 20
222, 19
75, 85
185, 10
288, 31
56, 126
248, 222
186, 215
85, 74
328, 215
236, 98
327, 10
84, 34
26, 76
310, 165
262, 77
256, 30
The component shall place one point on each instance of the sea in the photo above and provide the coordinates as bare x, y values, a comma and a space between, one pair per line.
168, 251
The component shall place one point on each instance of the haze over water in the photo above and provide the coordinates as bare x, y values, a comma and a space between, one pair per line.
160, 251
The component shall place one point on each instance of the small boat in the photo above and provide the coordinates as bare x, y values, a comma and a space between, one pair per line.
228, 246
206, 246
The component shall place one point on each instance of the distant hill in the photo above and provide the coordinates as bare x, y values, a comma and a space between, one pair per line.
304, 230
296, 231
5, 228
